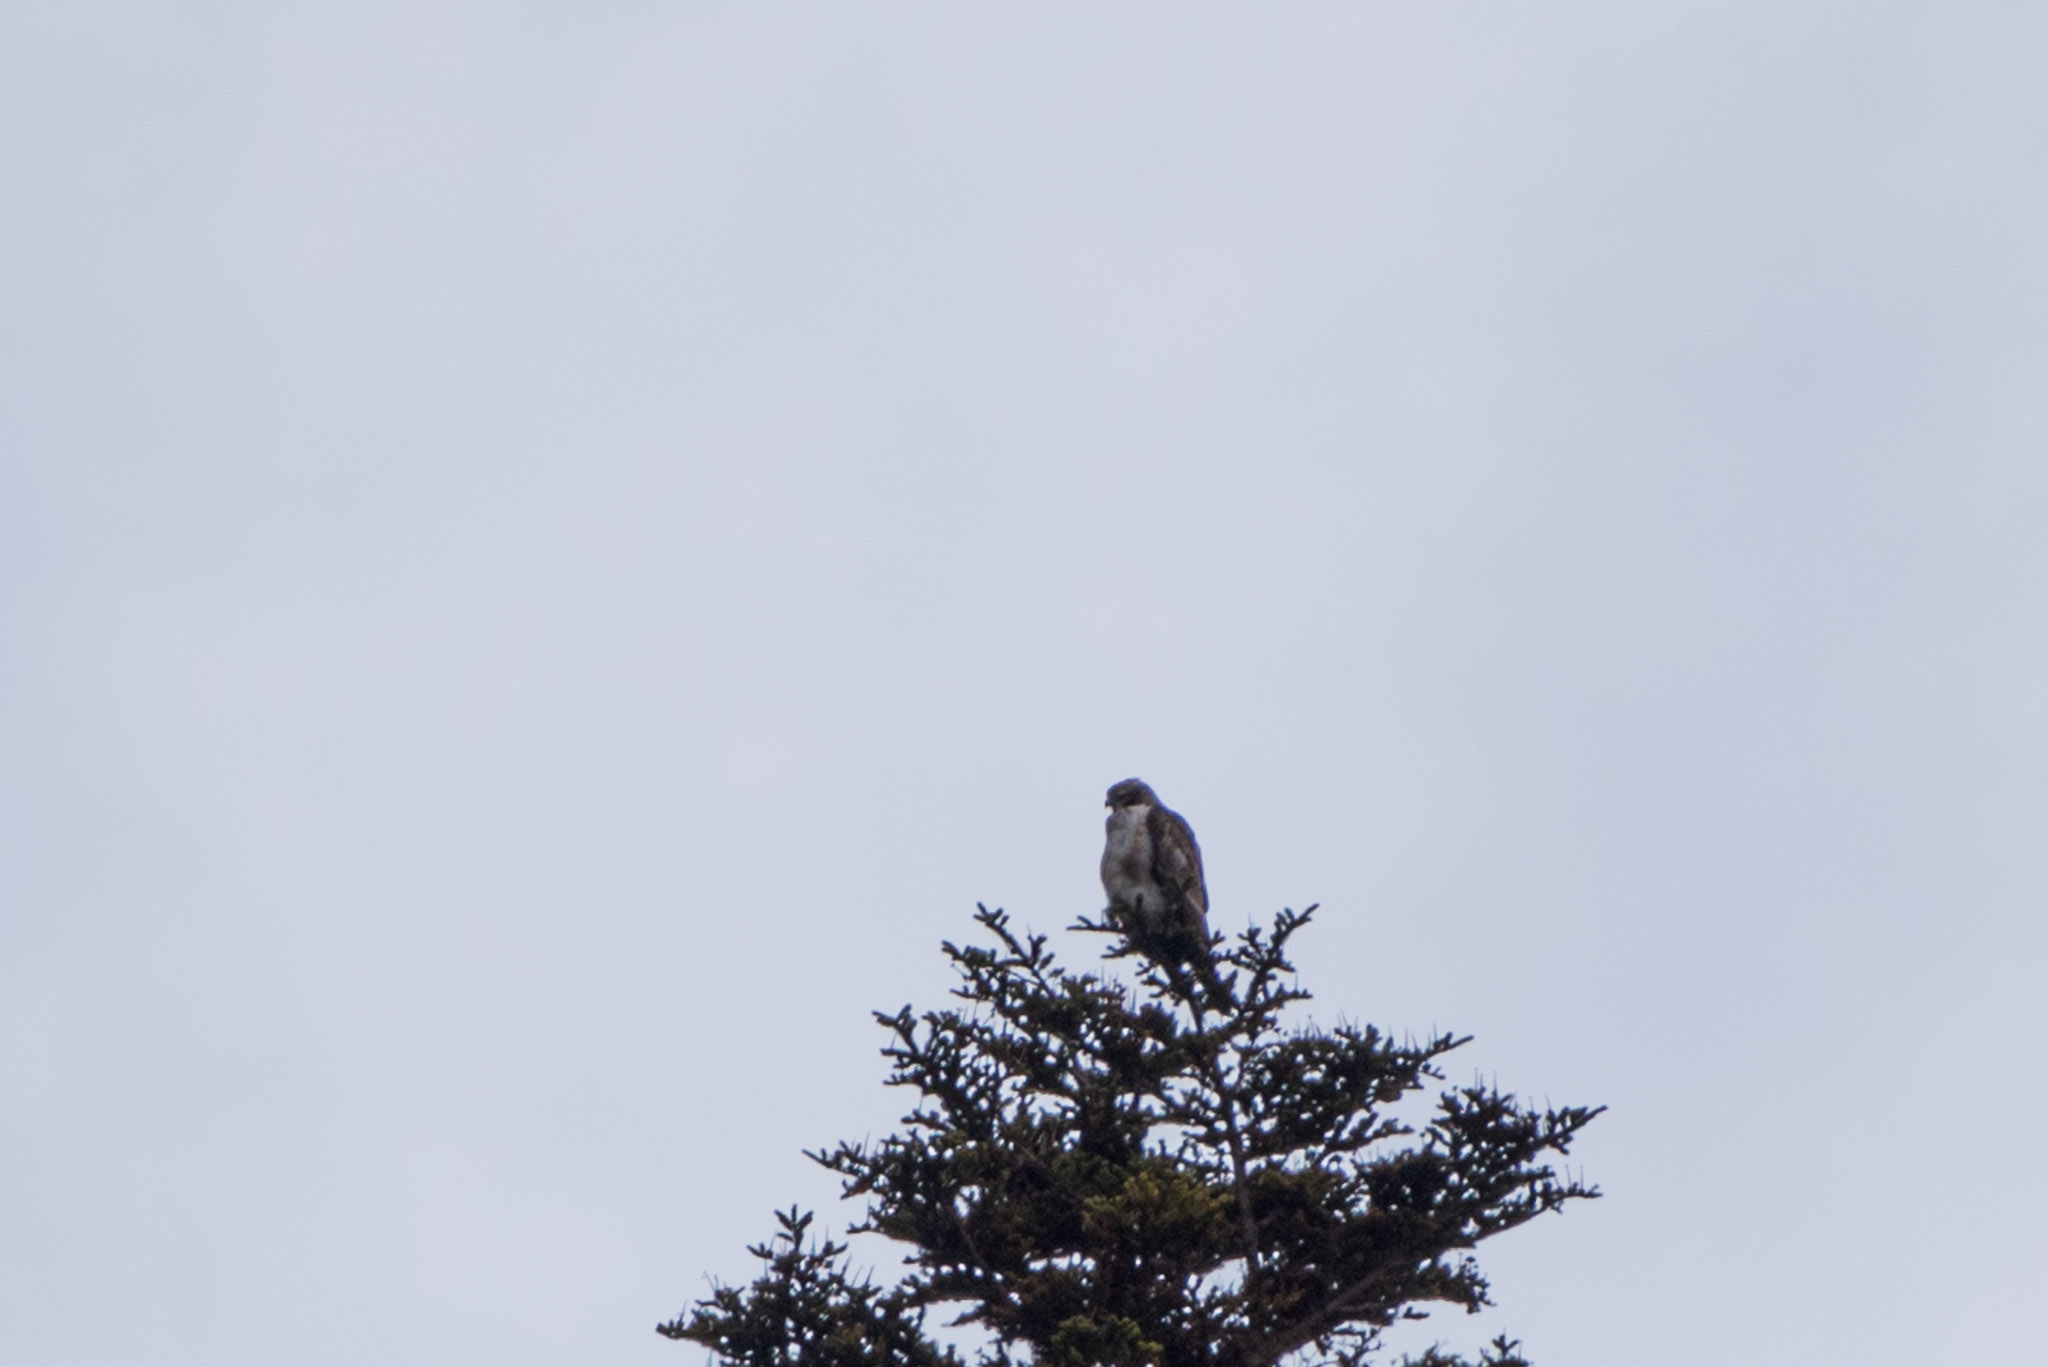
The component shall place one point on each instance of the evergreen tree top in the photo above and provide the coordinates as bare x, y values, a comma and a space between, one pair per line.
1166, 1173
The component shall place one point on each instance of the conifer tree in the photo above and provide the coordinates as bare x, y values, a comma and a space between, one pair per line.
1178, 1172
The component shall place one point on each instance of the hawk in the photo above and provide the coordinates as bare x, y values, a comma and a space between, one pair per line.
1152, 868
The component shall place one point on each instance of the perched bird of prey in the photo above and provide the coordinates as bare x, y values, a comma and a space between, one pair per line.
1152, 868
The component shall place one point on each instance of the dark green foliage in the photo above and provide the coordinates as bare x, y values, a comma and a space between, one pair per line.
1168, 1175
804, 1308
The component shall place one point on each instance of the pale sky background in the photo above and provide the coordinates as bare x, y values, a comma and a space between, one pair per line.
549, 554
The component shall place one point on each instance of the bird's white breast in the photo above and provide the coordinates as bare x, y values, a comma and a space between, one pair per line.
1127, 859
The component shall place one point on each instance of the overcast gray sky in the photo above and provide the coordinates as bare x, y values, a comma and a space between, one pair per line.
549, 554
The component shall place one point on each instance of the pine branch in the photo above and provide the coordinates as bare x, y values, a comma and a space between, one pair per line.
1171, 1173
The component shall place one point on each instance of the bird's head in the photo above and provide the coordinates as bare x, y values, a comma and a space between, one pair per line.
1132, 792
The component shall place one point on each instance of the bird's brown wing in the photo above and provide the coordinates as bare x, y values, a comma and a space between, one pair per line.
1177, 860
